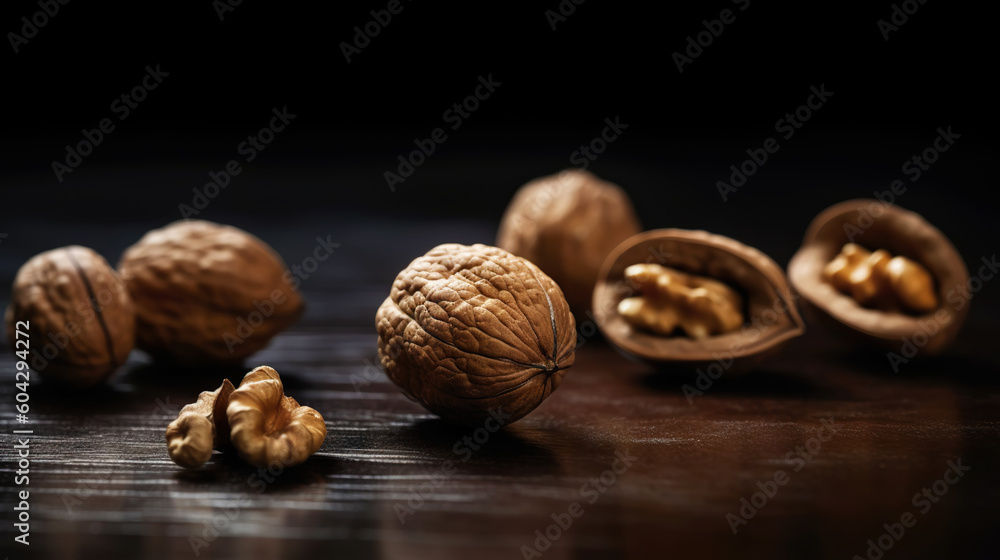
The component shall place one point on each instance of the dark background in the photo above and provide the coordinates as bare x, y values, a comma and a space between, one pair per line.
606, 59
323, 175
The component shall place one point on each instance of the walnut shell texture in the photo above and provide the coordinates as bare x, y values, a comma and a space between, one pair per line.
567, 224
470, 329
82, 320
207, 293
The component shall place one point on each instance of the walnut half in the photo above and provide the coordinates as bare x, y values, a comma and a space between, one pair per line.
769, 319
851, 300
200, 427
266, 427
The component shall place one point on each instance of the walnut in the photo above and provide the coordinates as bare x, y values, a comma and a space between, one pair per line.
267, 427
567, 224
80, 316
879, 280
200, 427
937, 306
671, 299
264, 426
207, 293
769, 321
470, 329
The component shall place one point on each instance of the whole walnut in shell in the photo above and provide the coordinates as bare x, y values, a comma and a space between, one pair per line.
567, 224
80, 317
207, 293
467, 330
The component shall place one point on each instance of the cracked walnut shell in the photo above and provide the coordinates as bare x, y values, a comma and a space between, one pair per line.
770, 318
889, 230
470, 329
207, 293
81, 318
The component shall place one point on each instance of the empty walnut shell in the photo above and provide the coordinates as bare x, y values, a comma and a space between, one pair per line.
771, 316
566, 224
875, 225
81, 320
467, 330
207, 293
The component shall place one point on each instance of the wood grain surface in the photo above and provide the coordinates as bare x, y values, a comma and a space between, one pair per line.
852, 441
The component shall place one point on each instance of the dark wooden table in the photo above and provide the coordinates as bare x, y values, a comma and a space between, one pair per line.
829, 448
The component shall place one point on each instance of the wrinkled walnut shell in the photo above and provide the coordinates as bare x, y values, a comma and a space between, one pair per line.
771, 316
207, 293
900, 232
470, 329
566, 224
82, 320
